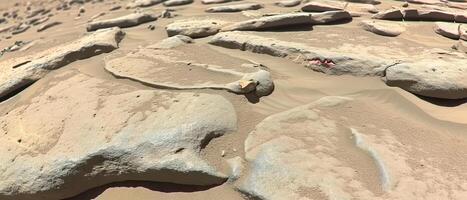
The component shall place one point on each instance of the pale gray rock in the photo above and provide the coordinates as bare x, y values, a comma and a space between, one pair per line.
23, 71
235, 7
391, 29
122, 22
194, 28
439, 78
177, 2
89, 132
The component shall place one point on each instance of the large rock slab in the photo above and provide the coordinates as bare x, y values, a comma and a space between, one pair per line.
82, 132
439, 78
450, 30
20, 72
235, 7
343, 148
428, 15
194, 28
122, 22
287, 20
383, 28
391, 14
182, 68
317, 6
317, 59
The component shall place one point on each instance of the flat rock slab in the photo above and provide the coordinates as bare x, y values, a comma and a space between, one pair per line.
194, 28
450, 30
288, 3
439, 78
184, 68
21, 72
143, 3
122, 22
83, 132
217, 1
383, 28
317, 6
343, 148
177, 2
235, 7
289, 20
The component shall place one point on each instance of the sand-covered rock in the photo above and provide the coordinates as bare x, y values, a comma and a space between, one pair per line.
182, 69
288, 3
172, 42
317, 6
235, 7
122, 22
450, 30
23, 71
289, 20
329, 150
390, 29
84, 132
194, 28
440, 78
177, 2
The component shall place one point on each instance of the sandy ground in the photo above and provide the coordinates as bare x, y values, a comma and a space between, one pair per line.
295, 85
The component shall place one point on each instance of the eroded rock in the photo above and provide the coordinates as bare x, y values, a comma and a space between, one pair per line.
177, 2
88, 132
450, 30
143, 3
20, 72
216, 1
235, 7
194, 28
383, 28
288, 3
122, 22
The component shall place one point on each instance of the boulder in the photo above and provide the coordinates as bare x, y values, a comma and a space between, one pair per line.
177, 2
82, 132
156, 66
143, 3
346, 148
383, 28
194, 28
391, 14
450, 30
216, 1
287, 20
461, 18
439, 78
130, 20
235, 7
18, 73
288, 3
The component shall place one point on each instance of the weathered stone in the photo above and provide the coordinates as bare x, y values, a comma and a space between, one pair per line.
172, 42
143, 3
392, 14
177, 2
216, 1
235, 7
449, 30
122, 22
194, 28
48, 25
316, 6
427, 15
23, 71
440, 78
383, 28
288, 3
84, 132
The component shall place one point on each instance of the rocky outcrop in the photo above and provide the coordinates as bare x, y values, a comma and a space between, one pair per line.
83, 132
383, 28
235, 8
289, 20
194, 28
122, 22
329, 149
21, 72
440, 78
154, 66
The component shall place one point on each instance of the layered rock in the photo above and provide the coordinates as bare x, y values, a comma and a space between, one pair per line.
83, 132
20, 72
122, 22
450, 30
195, 28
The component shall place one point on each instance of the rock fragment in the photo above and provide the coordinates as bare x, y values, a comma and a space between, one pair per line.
383, 28
122, 22
177, 2
288, 3
194, 28
235, 8
48, 25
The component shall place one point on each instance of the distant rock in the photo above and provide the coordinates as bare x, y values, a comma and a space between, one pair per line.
177, 2
172, 42
450, 30
20, 72
288, 20
194, 28
89, 132
428, 15
391, 14
288, 3
383, 28
20, 29
216, 1
48, 25
143, 3
235, 7
440, 78
317, 6
122, 22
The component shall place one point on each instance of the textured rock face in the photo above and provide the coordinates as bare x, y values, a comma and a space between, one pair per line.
194, 28
23, 71
122, 22
235, 8
328, 150
154, 66
431, 77
383, 28
287, 20
83, 132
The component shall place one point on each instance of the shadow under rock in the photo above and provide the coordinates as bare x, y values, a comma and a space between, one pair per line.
304, 27
444, 102
154, 186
